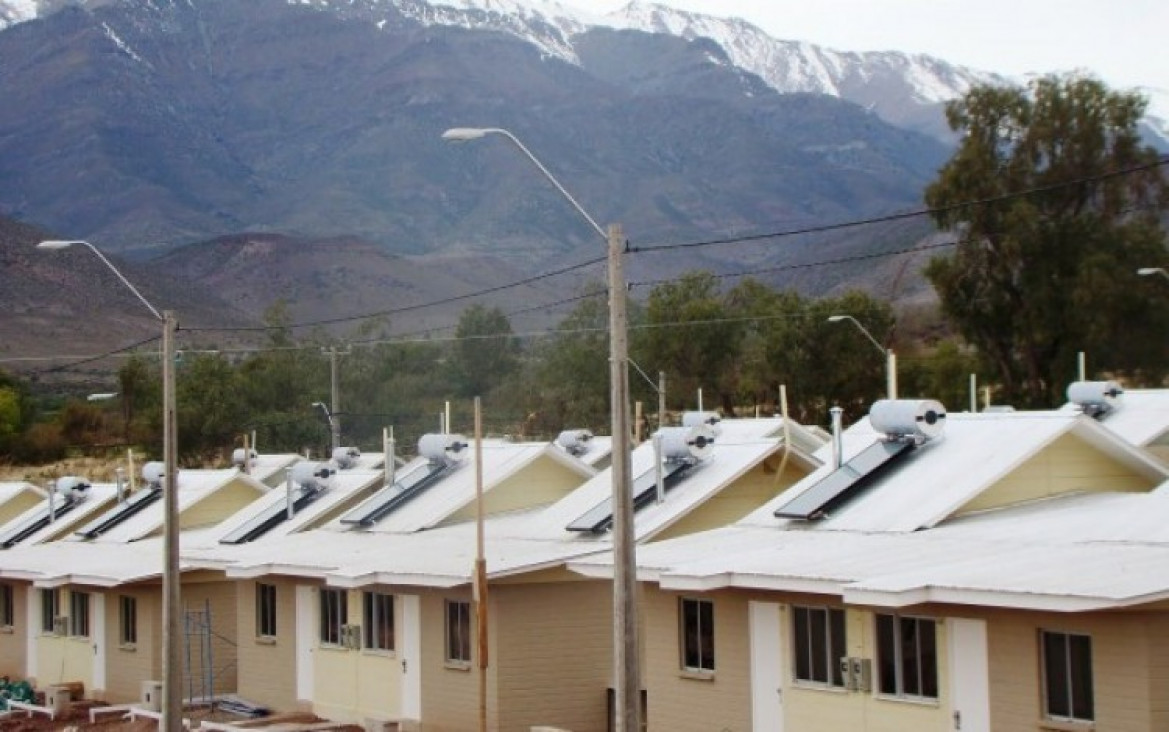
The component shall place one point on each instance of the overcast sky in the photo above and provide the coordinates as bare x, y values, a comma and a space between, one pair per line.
1121, 41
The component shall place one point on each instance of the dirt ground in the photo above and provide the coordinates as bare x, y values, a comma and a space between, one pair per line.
76, 719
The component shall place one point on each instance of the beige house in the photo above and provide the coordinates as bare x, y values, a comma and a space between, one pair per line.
377, 621
1007, 575
90, 599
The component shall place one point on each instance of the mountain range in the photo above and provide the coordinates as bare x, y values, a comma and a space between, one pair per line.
262, 148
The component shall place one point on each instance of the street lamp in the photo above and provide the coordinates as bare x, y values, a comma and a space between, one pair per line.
627, 670
890, 357
1146, 271
171, 636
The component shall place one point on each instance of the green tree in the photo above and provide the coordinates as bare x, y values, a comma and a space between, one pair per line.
1038, 277
688, 333
570, 385
485, 352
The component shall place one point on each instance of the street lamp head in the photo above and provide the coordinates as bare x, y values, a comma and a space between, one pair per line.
464, 134
1144, 271
837, 318
57, 244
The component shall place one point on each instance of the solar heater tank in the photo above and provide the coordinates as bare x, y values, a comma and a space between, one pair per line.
1096, 398
574, 442
442, 448
311, 475
153, 473
72, 487
346, 457
687, 443
693, 419
918, 418
240, 455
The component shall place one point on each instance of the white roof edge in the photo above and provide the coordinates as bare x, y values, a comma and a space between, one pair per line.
994, 598
393, 578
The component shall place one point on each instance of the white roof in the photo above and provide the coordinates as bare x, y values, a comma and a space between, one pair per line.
523, 541
13, 489
269, 469
1068, 553
455, 491
1140, 417
98, 498
939, 477
194, 486
344, 486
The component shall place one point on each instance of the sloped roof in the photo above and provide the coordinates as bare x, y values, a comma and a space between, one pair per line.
1140, 417
891, 546
98, 498
939, 477
522, 541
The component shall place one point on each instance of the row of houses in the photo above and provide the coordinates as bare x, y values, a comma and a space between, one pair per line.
917, 571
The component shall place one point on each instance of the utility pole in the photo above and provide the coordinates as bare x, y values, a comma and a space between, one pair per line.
335, 393
172, 639
626, 662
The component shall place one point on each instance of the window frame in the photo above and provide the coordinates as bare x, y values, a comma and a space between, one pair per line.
50, 609
265, 611
457, 648
1072, 665
7, 606
377, 615
127, 621
79, 609
334, 615
926, 667
699, 613
831, 646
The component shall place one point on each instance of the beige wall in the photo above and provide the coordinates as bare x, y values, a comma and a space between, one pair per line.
14, 640
552, 654
18, 504
1066, 465
267, 667
209, 601
218, 505
758, 486
450, 694
127, 666
542, 481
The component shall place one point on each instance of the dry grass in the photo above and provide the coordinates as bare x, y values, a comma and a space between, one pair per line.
95, 469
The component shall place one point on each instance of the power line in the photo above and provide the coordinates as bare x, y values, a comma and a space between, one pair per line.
407, 308
888, 218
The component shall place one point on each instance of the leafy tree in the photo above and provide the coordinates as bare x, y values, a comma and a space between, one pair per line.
139, 387
688, 335
1038, 277
570, 384
485, 351
210, 409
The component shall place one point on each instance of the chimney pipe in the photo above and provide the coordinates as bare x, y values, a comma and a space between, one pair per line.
837, 439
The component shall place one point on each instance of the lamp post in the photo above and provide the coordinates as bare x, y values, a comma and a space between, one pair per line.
890, 357
171, 634
1146, 271
626, 664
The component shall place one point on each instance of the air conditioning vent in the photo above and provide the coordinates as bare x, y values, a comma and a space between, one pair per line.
351, 637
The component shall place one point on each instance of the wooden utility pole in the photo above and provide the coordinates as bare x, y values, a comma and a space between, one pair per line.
480, 571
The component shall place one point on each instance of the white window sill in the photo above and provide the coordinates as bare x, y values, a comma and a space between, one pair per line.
818, 686
921, 701
457, 665
696, 674
1065, 725
265, 640
128, 647
6, 629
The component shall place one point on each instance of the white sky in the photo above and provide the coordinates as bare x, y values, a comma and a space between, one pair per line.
1121, 41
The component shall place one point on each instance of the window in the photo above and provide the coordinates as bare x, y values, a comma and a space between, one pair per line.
265, 610
378, 619
818, 644
697, 625
907, 656
79, 614
50, 609
7, 607
458, 631
127, 620
334, 614
1067, 676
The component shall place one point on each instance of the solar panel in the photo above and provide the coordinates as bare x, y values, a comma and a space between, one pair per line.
390, 498
844, 481
134, 505
36, 522
598, 519
272, 516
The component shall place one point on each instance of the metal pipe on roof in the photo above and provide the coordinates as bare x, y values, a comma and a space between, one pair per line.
837, 437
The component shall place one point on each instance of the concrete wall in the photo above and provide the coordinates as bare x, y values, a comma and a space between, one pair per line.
127, 666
